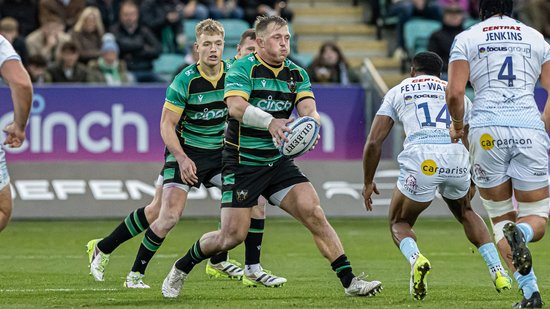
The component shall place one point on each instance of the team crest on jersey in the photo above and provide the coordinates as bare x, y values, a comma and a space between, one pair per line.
291, 85
410, 184
241, 195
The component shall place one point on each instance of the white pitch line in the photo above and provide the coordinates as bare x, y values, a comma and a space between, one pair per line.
58, 290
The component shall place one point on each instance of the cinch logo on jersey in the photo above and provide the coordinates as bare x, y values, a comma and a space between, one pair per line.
430, 168
210, 114
271, 105
487, 142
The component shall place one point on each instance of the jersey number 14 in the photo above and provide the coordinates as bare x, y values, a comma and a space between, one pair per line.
442, 120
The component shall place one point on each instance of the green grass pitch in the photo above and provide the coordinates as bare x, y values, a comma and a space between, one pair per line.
43, 264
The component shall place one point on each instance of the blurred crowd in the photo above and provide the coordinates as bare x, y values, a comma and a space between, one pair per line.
112, 42
453, 15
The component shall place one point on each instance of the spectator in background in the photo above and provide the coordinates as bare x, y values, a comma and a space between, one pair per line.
108, 9
67, 69
330, 66
66, 11
194, 9
463, 4
8, 29
407, 9
87, 33
138, 45
441, 41
220, 9
254, 8
24, 11
536, 14
47, 40
37, 66
108, 69
165, 19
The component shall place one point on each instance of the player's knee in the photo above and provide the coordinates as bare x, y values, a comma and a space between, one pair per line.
497, 209
231, 237
315, 217
538, 209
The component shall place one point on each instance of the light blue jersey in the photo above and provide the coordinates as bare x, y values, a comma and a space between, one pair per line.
419, 103
505, 58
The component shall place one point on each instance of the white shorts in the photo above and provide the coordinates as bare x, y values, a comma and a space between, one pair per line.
4, 176
500, 153
427, 167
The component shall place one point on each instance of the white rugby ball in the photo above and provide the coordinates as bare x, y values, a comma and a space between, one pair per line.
303, 136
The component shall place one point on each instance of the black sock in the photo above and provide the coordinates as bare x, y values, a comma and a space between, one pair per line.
253, 241
149, 245
343, 270
218, 258
193, 257
133, 224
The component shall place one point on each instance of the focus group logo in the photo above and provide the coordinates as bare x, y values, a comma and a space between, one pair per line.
487, 142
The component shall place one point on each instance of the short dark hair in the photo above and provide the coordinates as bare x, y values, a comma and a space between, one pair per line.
428, 62
249, 33
262, 22
37, 60
69, 46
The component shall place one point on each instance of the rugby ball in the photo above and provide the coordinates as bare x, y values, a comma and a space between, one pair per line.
303, 136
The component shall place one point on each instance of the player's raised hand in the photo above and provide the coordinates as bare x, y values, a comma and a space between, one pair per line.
15, 135
368, 189
277, 128
188, 171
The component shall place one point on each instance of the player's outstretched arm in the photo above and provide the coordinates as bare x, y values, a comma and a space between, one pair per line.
250, 115
545, 82
372, 151
168, 122
20, 85
459, 72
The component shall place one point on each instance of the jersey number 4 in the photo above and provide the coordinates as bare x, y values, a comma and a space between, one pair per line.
443, 118
507, 66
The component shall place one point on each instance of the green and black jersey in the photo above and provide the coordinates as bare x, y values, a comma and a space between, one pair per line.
275, 90
199, 101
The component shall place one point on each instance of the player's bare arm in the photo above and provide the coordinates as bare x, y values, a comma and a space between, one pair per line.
459, 72
372, 151
244, 112
168, 122
20, 84
307, 107
545, 82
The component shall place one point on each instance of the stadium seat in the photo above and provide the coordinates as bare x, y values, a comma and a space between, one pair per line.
189, 30
167, 64
233, 30
417, 34
304, 59
468, 22
229, 52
